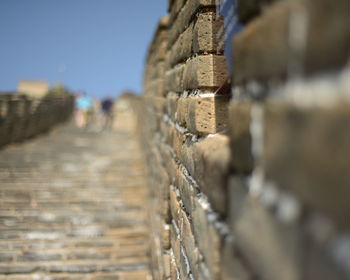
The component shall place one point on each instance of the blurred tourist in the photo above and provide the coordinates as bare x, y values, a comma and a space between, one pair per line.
107, 113
83, 108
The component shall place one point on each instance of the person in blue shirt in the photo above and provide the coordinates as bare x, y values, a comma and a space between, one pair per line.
83, 108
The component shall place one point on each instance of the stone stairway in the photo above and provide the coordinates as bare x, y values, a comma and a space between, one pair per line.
72, 206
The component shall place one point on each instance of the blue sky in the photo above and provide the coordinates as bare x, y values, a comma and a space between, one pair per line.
98, 46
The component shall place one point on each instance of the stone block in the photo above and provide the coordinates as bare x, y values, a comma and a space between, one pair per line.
260, 51
293, 38
176, 246
232, 266
187, 156
182, 111
178, 141
240, 136
155, 103
185, 15
207, 114
205, 39
273, 253
187, 192
212, 157
174, 205
156, 87
208, 239
174, 79
205, 71
165, 236
167, 264
182, 48
171, 99
306, 151
189, 245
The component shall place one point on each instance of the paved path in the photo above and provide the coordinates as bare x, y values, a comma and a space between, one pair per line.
72, 207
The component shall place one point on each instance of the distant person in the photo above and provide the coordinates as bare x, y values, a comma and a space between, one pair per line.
107, 113
83, 108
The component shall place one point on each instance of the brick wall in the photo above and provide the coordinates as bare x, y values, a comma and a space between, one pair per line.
22, 117
249, 183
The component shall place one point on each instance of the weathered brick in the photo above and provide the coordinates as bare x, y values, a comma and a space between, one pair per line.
171, 99
188, 241
207, 114
175, 245
262, 51
167, 264
174, 204
205, 39
305, 151
240, 136
156, 87
184, 17
208, 239
178, 141
182, 111
182, 48
187, 192
156, 103
232, 265
165, 236
174, 79
212, 157
157, 49
187, 156
205, 71
274, 253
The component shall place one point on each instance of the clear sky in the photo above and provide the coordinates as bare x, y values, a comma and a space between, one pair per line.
98, 46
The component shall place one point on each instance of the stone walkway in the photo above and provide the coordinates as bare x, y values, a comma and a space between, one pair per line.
72, 207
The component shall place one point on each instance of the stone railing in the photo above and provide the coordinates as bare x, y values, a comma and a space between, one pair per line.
253, 182
22, 117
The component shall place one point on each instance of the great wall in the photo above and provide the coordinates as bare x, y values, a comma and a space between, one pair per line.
208, 175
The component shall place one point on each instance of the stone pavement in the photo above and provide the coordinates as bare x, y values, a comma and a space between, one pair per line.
72, 207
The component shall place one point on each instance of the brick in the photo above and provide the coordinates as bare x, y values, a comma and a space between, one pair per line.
184, 17
189, 244
262, 50
182, 48
156, 103
232, 265
178, 141
182, 111
174, 205
205, 39
167, 264
305, 151
274, 253
212, 157
240, 136
208, 239
187, 156
165, 236
157, 49
207, 114
187, 192
171, 99
175, 8
205, 71
175, 245
174, 79
156, 87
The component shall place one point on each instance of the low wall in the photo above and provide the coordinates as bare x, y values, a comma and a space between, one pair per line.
250, 182
22, 117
